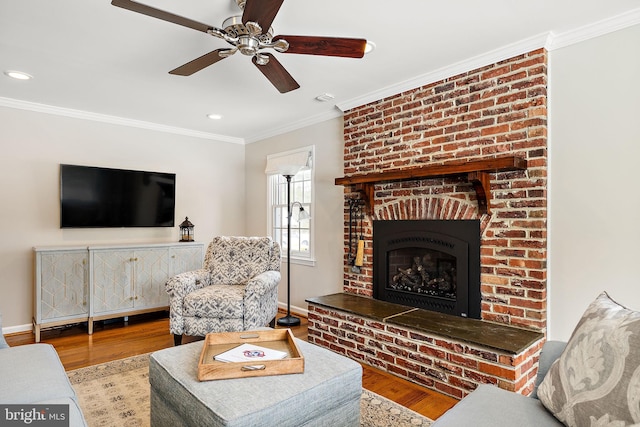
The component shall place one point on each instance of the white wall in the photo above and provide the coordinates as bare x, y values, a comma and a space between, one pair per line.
209, 189
594, 205
328, 218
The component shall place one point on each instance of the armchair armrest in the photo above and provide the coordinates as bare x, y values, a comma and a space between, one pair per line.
261, 299
263, 283
181, 284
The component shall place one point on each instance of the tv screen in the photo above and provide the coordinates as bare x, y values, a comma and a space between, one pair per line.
101, 197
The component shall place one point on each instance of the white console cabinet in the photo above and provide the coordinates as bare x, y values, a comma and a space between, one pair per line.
102, 282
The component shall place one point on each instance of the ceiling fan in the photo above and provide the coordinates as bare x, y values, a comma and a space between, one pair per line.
251, 34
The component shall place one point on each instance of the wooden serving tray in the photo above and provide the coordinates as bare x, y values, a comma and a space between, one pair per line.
276, 339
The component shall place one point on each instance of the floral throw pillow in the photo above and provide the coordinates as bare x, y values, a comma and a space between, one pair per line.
596, 380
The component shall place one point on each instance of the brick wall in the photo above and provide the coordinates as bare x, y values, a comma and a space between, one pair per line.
496, 110
451, 367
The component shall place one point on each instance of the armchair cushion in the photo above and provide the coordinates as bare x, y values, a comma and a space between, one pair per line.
234, 260
223, 301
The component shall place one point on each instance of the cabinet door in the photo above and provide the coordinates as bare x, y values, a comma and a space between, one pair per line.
186, 258
113, 280
152, 268
63, 284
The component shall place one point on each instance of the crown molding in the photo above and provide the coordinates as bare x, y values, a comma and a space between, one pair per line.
549, 41
496, 55
309, 121
85, 115
600, 28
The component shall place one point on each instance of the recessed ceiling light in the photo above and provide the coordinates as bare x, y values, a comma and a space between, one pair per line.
19, 75
213, 116
370, 46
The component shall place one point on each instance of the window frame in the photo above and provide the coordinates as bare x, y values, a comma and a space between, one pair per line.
277, 183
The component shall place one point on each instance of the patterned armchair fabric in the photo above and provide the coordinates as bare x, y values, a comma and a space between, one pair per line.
236, 290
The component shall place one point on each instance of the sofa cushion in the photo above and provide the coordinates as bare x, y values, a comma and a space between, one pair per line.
3, 343
235, 260
31, 374
596, 380
490, 406
551, 351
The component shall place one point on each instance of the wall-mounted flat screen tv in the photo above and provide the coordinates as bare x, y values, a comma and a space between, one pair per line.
101, 197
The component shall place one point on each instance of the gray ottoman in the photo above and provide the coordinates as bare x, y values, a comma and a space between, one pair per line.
326, 394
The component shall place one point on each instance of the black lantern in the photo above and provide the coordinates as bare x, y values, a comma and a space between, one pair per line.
186, 230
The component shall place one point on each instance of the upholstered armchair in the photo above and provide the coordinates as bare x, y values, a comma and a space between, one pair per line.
236, 290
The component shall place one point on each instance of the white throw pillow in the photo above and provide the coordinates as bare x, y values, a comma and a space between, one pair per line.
596, 380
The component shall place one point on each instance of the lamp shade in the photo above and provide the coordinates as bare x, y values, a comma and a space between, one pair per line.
302, 215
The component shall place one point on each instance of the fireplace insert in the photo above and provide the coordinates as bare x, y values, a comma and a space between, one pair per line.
429, 264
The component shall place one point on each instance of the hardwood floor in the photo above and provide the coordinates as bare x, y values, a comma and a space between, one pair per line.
117, 339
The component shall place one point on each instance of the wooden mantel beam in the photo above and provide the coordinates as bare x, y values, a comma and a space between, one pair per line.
477, 172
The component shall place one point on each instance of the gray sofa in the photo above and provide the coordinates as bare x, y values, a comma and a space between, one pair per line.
489, 406
33, 375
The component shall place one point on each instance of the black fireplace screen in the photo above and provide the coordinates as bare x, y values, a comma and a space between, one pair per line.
430, 264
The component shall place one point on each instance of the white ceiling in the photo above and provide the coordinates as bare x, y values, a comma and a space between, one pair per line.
95, 60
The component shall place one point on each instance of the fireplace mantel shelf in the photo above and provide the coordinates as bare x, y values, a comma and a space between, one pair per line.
477, 172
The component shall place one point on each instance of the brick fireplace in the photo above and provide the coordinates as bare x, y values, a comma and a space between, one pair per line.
491, 112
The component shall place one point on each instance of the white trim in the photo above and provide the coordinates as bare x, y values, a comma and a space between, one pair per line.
308, 121
549, 41
308, 262
17, 329
96, 117
595, 29
294, 309
310, 150
505, 52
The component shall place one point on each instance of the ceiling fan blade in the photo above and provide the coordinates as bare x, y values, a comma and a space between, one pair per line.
326, 46
161, 14
199, 63
277, 75
261, 11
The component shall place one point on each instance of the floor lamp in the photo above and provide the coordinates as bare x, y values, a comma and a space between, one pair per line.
290, 320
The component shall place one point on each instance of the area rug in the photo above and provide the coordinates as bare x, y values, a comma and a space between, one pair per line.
116, 394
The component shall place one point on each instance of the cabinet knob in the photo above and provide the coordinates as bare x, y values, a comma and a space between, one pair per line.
133, 259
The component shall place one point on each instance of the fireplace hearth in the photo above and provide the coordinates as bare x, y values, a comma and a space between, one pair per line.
429, 264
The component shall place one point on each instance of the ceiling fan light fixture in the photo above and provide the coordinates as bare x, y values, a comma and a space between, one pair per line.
18, 75
248, 45
369, 47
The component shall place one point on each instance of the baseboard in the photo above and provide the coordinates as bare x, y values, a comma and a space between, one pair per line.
17, 329
29, 327
294, 309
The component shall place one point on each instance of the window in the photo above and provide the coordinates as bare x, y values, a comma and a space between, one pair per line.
301, 196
